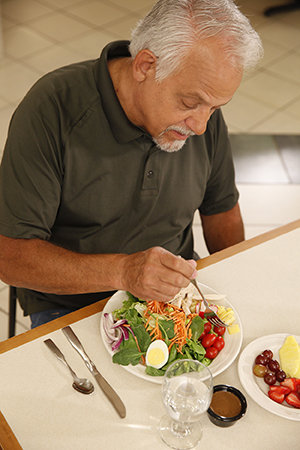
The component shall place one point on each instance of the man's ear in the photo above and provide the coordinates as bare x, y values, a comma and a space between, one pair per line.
144, 65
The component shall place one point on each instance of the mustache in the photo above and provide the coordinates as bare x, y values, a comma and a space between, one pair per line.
181, 130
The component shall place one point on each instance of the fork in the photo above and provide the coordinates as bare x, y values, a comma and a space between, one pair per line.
211, 316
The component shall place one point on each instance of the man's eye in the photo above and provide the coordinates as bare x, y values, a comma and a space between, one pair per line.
187, 106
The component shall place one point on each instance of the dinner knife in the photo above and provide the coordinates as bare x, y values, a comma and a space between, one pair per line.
104, 385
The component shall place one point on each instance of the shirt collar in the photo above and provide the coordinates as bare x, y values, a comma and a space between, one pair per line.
123, 130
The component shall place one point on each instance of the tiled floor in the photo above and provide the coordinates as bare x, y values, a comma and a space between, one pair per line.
263, 118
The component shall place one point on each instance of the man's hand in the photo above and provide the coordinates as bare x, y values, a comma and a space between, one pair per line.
156, 274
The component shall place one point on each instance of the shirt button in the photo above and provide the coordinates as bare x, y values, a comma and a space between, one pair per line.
150, 174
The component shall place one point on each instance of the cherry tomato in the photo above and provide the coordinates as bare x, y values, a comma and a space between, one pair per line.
208, 340
207, 327
211, 352
201, 314
219, 330
219, 343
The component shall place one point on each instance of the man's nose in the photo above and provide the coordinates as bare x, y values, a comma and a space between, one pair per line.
197, 121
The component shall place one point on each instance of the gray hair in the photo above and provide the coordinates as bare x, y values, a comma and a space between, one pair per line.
173, 27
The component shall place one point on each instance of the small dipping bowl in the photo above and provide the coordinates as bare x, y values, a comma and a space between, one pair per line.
228, 405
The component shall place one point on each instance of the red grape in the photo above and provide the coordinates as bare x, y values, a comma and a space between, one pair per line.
261, 359
268, 354
273, 365
280, 375
270, 378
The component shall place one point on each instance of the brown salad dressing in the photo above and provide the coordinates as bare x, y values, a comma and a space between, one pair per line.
225, 404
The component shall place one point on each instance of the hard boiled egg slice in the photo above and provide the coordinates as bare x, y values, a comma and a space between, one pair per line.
157, 354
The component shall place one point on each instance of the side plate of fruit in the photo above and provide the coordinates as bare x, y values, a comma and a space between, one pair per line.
261, 378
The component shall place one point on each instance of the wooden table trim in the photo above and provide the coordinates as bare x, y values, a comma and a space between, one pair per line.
8, 440
54, 325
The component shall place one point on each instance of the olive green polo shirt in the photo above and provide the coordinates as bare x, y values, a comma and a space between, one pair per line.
76, 172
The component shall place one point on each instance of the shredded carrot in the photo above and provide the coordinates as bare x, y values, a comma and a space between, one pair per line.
148, 320
182, 330
156, 307
142, 356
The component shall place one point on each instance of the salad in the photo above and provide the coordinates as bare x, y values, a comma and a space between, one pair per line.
155, 334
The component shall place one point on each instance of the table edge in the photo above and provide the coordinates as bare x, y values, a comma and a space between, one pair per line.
54, 325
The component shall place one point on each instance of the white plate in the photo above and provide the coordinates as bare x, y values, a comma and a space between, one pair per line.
256, 387
227, 356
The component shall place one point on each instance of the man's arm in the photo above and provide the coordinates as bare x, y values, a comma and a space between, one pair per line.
39, 265
223, 230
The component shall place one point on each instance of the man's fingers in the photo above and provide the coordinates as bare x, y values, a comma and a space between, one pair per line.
157, 274
194, 265
180, 265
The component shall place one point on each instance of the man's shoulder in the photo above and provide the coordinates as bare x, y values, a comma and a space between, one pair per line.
60, 98
66, 83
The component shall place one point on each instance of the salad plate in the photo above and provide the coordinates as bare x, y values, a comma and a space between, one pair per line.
223, 360
255, 387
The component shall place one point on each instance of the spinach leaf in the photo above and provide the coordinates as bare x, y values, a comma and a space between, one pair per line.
197, 348
154, 372
172, 354
176, 357
197, 327
187, 353
127, 304
142, 336
133, 318
127, 356
130, 343
132, 297
167, 329
206, 361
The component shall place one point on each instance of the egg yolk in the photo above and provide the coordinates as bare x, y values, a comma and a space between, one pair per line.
155, 356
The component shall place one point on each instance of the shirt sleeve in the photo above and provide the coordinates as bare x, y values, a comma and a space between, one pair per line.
221, 193
31, 171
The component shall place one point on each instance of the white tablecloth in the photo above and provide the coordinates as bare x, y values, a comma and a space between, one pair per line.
44, 412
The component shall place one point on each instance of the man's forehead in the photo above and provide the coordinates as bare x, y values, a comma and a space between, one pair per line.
203, 96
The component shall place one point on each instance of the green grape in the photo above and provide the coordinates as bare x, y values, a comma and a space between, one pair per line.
259, 370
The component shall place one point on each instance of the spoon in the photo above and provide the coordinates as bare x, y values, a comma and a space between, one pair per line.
80, 384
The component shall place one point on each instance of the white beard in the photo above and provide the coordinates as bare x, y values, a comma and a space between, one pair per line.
175, 145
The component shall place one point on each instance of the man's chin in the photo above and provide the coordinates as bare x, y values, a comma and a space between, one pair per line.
167, 141
169, 147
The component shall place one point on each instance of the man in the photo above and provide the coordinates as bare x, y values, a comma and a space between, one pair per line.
106, 162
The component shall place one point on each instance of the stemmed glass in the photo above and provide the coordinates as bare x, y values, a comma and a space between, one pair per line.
186, 391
